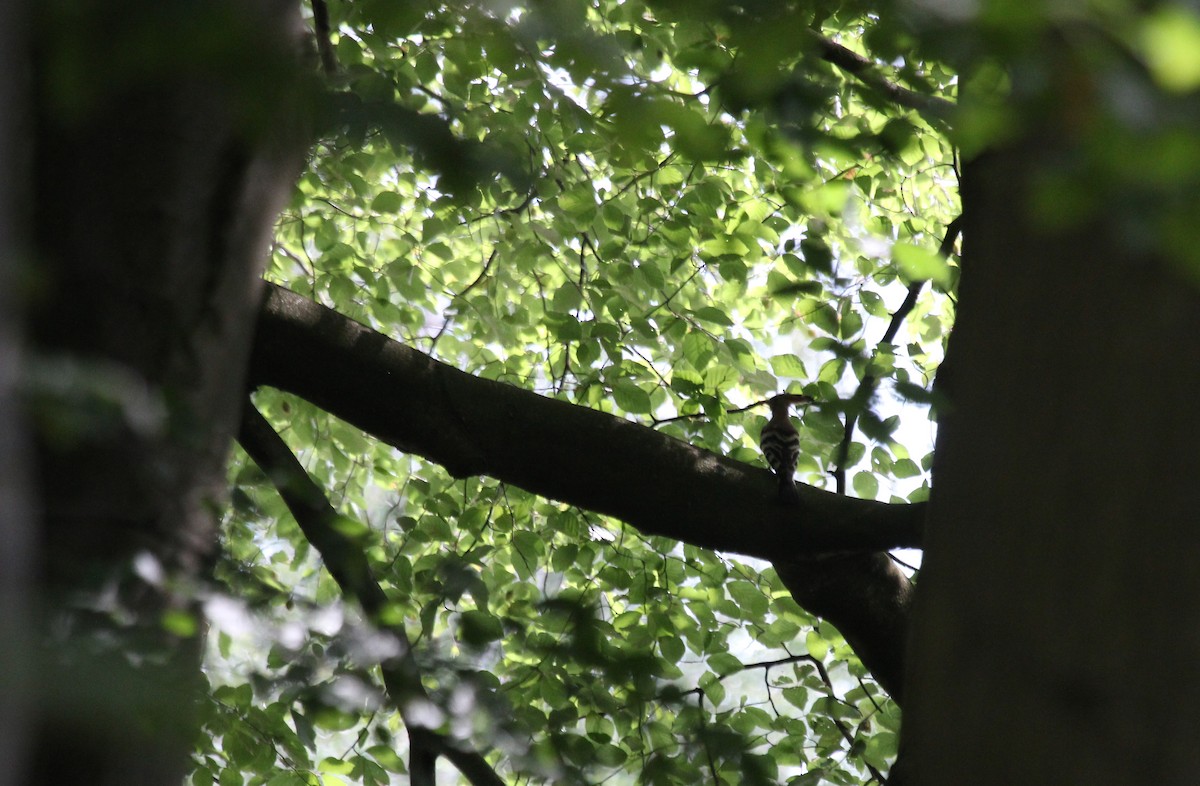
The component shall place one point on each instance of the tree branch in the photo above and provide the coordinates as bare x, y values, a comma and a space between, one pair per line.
475, 426
658, 484
868, 599
324, 41
932, 108
347, 563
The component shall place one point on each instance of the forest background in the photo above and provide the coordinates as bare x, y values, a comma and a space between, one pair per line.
496, 513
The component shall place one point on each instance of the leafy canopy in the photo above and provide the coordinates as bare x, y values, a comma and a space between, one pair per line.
651, 209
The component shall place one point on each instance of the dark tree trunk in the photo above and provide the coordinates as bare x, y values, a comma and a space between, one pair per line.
1057, 615
161, 158
16, 530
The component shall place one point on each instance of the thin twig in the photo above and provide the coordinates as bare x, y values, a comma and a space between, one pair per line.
935, 109
459, 295
633, 181
766, 665
867, 693
841, 727
712, 765
866, 388
697, 415
505, 211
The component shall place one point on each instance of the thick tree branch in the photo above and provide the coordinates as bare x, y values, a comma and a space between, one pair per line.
868, 598
347, 563
475, 426
603, 463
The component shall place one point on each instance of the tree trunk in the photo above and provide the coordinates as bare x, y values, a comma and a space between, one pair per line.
16, 531
161, 159
1055, 634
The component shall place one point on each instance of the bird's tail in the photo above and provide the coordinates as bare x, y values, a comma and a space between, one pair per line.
788, 495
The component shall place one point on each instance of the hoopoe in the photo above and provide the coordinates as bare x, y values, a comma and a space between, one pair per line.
781, 444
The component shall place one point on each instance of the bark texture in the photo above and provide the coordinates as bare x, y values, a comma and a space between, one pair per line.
1057, 620
868, 598
17, 547
158, 169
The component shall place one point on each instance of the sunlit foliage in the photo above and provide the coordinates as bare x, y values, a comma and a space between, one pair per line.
652, 209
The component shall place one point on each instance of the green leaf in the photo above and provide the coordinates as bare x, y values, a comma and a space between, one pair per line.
672, 648
866, 485
724, 663
1171, 45
179, 623
784, 288
530, 544
880, 749
817, 254
335, 766
631, 398
921, 264
788, 366
713, 315
750, 598
698, 348
797, 697
387, 758
478, 628
816, 646
286, 778
391, 20
721, 246
714, 691
386, 202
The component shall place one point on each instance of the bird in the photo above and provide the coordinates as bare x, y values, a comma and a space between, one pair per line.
780, 443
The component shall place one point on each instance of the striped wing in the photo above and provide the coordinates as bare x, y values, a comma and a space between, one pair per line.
781, 447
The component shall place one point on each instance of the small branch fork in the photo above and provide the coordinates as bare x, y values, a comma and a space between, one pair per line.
866, 387
347, 563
